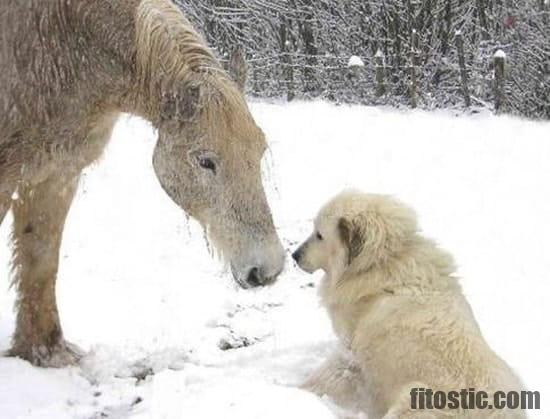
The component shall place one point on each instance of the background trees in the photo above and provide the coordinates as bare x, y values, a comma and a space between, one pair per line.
433, 53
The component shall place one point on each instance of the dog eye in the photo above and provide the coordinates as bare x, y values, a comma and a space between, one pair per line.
208, 164
319, 236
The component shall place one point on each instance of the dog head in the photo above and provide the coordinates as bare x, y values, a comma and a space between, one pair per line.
355, 231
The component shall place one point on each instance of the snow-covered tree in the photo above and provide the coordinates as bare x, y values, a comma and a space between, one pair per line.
302, 48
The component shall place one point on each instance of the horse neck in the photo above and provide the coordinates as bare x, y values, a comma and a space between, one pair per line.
140, 76
110, 48
101, 49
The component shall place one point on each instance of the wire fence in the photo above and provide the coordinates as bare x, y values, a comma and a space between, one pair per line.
425, 53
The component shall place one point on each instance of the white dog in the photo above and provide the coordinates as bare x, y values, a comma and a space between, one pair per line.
400, 313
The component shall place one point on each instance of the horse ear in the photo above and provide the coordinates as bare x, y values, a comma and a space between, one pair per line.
238, 68
352, 235
182, 105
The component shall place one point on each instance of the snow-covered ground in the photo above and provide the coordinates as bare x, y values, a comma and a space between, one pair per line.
138, 289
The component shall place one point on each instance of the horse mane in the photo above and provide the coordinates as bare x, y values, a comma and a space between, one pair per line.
170, 51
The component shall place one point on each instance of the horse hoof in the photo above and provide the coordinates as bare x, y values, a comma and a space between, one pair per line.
62, 354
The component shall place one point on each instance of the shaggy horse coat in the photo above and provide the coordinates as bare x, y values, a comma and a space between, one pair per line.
68, 68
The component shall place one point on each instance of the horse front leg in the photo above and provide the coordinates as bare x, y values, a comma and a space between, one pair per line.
39, 217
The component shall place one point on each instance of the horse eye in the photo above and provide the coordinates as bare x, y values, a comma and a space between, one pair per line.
319, 236
207, 163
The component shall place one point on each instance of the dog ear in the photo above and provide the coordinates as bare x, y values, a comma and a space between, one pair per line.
181, 105
352, 235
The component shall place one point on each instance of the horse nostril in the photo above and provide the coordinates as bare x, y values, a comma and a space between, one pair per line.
255, 278
297, 255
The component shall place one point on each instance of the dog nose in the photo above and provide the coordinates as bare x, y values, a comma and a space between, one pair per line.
256, 278
297, 255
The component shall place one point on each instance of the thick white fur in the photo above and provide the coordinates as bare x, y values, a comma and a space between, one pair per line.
399, 311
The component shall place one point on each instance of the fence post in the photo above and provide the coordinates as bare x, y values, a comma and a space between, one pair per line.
256, 76
463, 72
499, 61
355, 66
413, 88
380, 73
288, 68
290, 77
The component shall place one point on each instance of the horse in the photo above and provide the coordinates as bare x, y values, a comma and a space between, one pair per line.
68, 69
